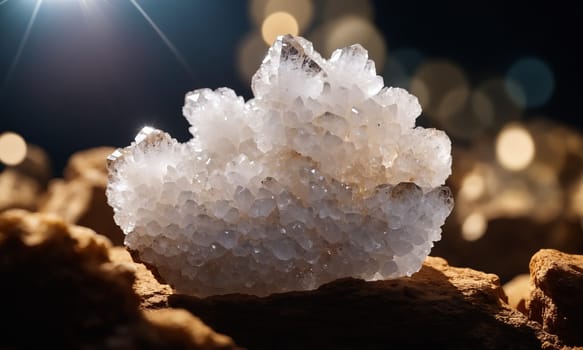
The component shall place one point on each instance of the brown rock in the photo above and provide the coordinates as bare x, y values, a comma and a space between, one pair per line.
438, 307
89, 164
557, 298
18, 191
517, 290
80, 198
60, 290
153, 294
175, 328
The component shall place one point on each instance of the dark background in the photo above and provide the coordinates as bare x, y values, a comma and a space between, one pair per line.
95, 79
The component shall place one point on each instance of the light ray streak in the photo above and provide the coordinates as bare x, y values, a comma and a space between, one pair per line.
2, 2
23, 41
164, 38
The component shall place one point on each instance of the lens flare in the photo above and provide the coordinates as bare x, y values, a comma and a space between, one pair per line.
23, 41
165, 39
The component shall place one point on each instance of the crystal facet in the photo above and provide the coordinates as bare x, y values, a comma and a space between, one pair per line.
322, 175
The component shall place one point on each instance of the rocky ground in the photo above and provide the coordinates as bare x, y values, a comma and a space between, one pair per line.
70, 287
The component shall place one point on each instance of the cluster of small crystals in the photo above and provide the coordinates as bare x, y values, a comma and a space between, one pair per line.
322, 175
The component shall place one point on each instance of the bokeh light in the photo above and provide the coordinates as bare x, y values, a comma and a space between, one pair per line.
452, 103
551, 143
474, 226
441, 79
409, 57
473, 186
514, 201
576, 201
276, 24
257, 11
400, 66
333, 9
395, 74
514, 147
12, 148
465, 114
349, 30
502, 108
420, 90
301, 10
535, 80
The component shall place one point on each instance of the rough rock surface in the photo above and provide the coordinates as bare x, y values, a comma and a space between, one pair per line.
80, 198
438, 307
557, 299
153, 294
59, 285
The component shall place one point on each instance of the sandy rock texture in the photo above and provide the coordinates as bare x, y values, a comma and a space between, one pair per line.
556, 301
438, 307
59, 285
153, 294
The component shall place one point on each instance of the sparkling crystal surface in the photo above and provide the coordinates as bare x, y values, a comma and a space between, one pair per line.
322, 175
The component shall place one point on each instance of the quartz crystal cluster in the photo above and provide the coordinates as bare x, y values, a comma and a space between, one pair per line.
322, 175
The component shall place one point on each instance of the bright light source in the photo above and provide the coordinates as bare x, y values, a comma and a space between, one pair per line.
12, 148
515, 147
278, 23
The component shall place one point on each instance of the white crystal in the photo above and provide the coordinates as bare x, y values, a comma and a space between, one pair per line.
322, 175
